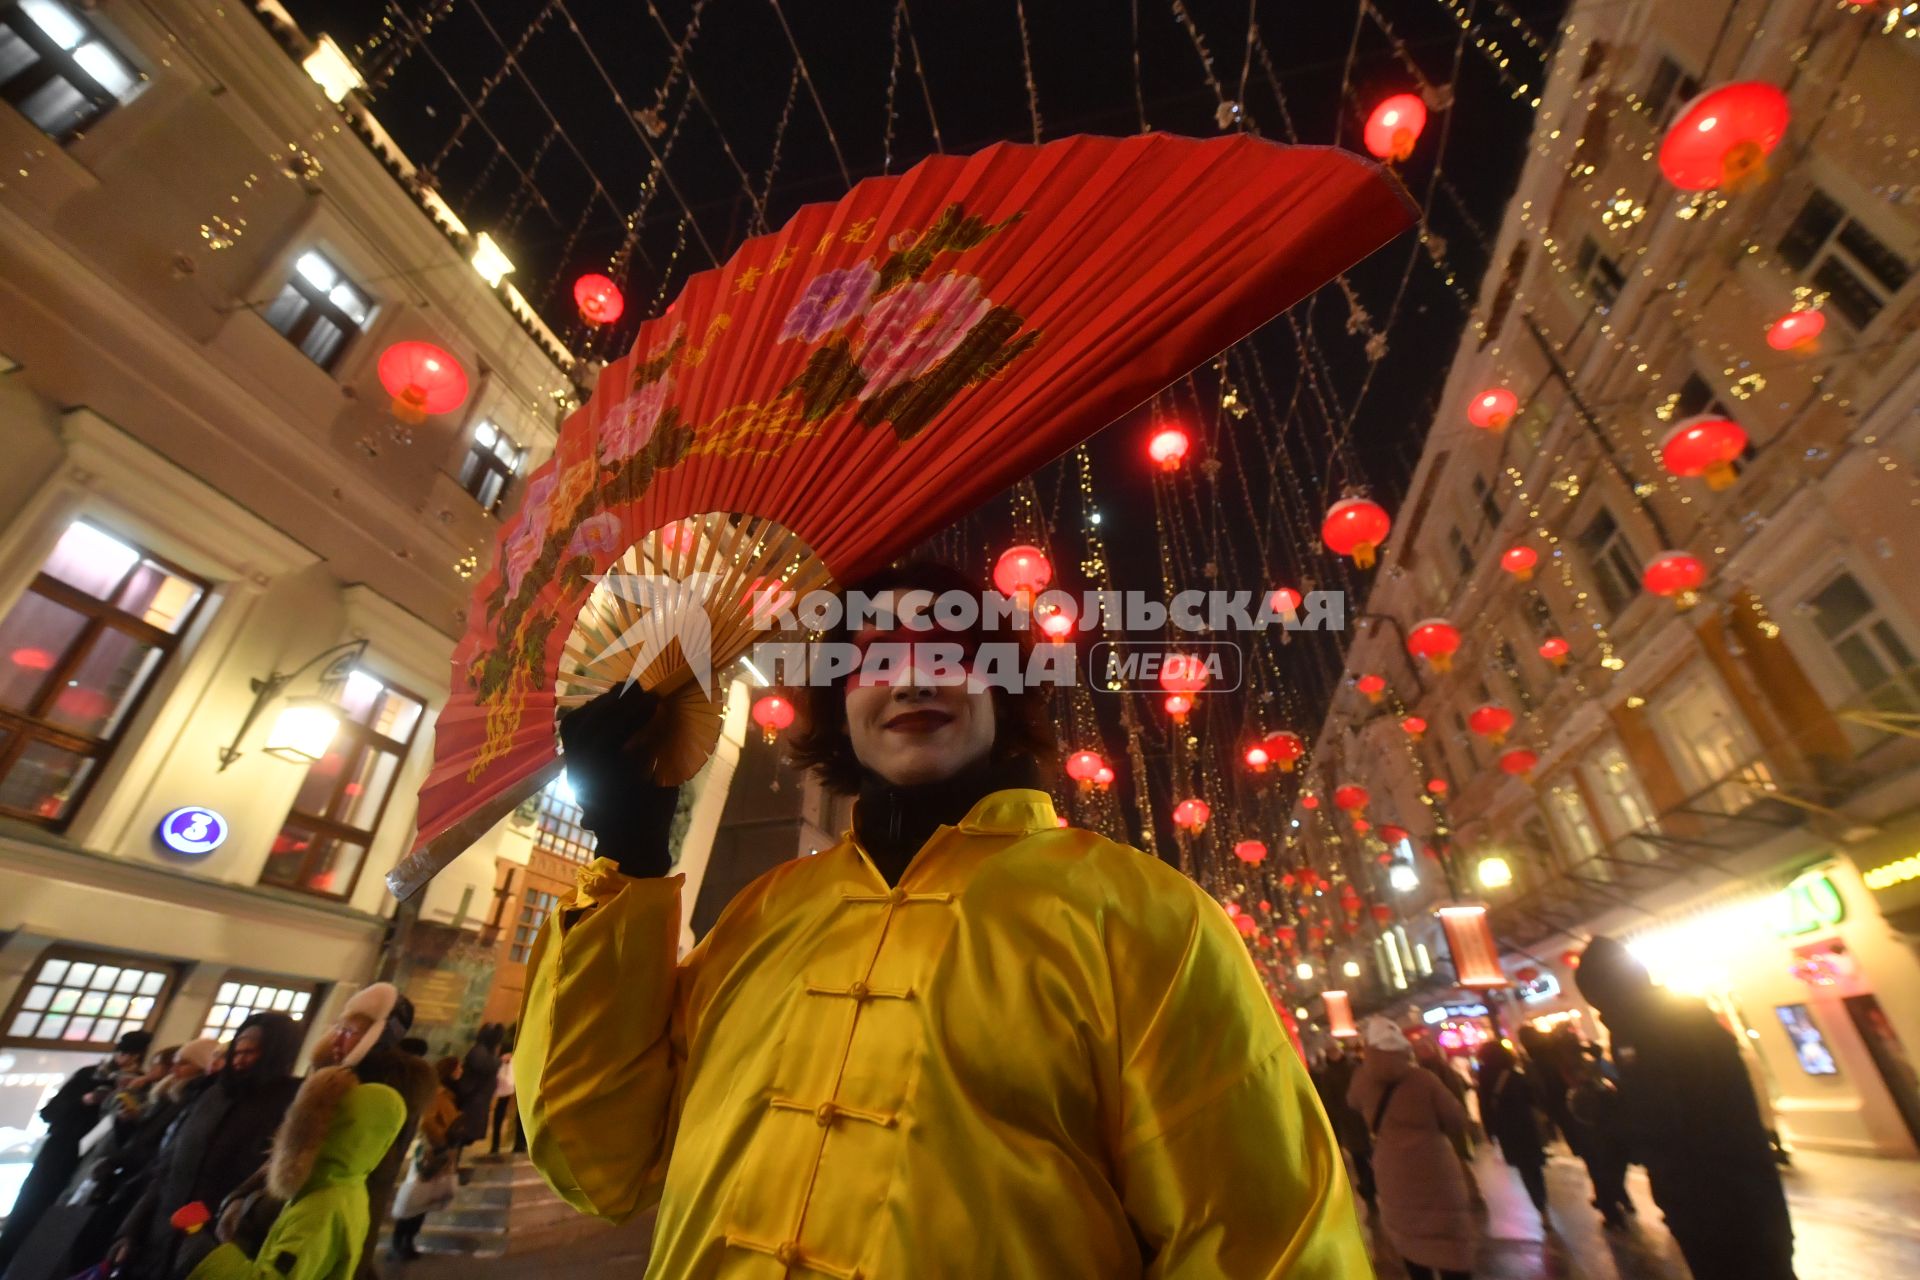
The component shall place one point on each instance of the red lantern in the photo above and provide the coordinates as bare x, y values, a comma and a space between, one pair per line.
772, 713
1519, 561
1286, 935
1361, 826
1382, 913
1493, 408
1084, 767
1250, 851
1183, 673
1674, 575
1436, 640
1356, 527
1057, 626
1103, 777
1518, 763
422, 379
598, 298
1168, 448
1308, 800
1723, 137
1705, 446
1796, 331
1351, 798
1284, 749
32, 659
1022, 572
1491, 722
1394, 126
1392, 834
1414, 726
1436, 786
1177, 705
1284, 601
1555, 650
1191, 814
1257, 758
1371, 686
1246, 925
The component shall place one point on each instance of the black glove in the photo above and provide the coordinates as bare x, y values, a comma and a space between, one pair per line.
609, 757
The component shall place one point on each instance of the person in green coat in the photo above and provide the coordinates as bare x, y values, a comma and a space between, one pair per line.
335, 1133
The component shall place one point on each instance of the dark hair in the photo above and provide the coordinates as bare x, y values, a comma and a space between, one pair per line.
415, 1046
1023, 718
135, 1043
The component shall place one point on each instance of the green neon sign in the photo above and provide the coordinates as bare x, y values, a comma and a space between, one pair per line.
1811, 903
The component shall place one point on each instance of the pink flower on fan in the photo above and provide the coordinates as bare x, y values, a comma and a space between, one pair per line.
833, 300
597, 536
916, 327
529, 531
630, 424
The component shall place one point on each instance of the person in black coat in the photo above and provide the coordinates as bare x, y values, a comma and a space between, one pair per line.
1332, 1082
1692, 1120
70, 1114
217, 1143
1507, 1100
478, 1074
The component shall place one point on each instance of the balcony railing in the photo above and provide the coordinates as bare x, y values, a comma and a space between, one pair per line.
1796, 779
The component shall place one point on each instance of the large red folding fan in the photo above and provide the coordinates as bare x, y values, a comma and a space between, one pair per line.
848, 385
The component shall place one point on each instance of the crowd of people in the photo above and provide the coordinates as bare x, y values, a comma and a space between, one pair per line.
1673, 1093
217, 1161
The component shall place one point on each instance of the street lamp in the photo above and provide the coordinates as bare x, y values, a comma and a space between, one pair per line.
305, 727
1403, 878
1351, 968
1493, 872
1303, 971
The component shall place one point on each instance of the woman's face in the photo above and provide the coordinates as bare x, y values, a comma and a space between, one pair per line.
910, 730
344, 1036
245, 1051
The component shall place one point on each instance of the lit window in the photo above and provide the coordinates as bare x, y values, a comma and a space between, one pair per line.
559, 819
492, 461
1712, 748
78, 999
322, 847
78, 651
240, 998
1836, 254
319, 309
534, 907
55, 70
1862, 639
1577, 839
1624, 806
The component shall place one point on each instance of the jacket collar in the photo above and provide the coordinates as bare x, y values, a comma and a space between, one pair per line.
1017, 811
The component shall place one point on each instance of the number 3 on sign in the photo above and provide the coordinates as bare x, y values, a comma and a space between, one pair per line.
192, 830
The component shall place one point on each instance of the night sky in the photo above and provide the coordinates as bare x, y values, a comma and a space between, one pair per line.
533, 119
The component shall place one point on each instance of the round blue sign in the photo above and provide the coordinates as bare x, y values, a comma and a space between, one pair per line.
193, 830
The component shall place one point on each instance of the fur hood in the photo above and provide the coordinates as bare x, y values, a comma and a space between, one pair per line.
336, 1131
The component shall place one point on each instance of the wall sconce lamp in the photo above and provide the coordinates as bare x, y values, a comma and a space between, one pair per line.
305, 727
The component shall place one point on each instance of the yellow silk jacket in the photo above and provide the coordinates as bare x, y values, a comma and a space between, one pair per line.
1042, 1055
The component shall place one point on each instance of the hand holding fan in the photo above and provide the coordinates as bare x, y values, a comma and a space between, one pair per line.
848, 385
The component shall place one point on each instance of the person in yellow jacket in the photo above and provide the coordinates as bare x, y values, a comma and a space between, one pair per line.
964, 1041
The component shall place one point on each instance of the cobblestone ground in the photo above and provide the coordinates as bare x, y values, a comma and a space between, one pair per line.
1854, 1219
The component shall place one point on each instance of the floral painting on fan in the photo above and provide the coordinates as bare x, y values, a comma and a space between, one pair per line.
896, 343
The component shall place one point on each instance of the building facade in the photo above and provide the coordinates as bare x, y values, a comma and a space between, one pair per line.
1728, 777
213, 524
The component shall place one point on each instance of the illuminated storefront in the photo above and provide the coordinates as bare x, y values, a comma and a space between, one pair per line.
1824, 996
